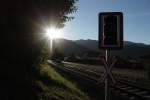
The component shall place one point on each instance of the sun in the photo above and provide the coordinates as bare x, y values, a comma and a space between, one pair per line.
53, 33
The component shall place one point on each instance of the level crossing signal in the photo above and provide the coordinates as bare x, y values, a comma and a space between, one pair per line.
110, 30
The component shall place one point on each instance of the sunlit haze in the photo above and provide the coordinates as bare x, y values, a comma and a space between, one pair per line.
53, 33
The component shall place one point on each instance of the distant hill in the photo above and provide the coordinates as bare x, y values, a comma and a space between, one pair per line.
92, 44
80, 47
70, 47
130, 48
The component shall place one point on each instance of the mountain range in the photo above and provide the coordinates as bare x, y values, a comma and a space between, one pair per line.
80, 47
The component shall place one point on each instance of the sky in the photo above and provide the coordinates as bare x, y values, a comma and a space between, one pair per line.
85, 24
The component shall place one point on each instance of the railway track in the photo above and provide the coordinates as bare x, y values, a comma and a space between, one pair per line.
124, 87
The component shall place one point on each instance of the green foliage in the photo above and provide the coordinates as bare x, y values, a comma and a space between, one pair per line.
51, 12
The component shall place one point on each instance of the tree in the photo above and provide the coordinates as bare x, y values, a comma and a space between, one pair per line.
21, 22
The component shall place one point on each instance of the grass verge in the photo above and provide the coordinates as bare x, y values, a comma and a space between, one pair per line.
50, 85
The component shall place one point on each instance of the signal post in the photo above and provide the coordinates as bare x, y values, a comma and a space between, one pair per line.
110, 38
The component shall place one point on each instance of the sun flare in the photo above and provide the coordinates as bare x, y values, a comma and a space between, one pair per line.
54, 33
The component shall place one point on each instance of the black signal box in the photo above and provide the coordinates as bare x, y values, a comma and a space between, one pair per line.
110, 30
